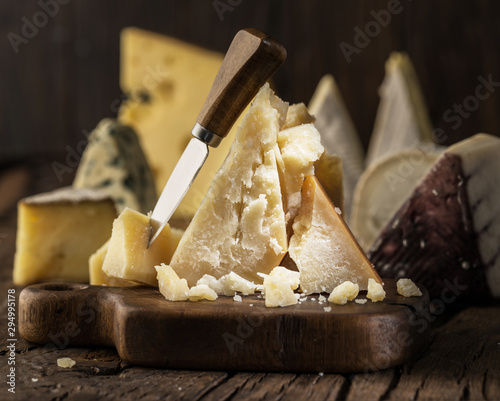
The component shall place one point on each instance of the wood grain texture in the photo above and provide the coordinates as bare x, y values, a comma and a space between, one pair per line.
149, 330
65, 79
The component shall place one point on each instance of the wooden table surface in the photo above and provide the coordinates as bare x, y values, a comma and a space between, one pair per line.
462, 361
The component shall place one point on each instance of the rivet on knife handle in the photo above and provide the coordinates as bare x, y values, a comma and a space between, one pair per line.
252, 58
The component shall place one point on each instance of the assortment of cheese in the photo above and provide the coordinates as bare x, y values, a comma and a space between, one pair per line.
270, 211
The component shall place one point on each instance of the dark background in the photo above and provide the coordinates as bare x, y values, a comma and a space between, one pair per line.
65, 79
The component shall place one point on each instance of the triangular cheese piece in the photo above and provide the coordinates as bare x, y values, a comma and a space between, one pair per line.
383, 188
338, 134
323, 247
240, 225
446, 236
402, 120
167, 82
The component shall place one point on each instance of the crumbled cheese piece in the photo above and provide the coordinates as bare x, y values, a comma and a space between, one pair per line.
327, 308
251, 304
287, 275
408, 288
375, 291
337, 209
321, 374
171, 286
200, 292
361, 301
237, 298
232, 282
212, 282
313, 299
65, 362
278, 292
344, 292
322, 298
34, 379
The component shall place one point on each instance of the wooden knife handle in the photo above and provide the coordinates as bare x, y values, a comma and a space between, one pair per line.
252, 58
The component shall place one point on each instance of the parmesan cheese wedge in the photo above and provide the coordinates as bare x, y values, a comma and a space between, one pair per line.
240, 225
402, 120
323, 247
338, 135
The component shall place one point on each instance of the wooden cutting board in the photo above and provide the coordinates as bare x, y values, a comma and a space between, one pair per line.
146, 329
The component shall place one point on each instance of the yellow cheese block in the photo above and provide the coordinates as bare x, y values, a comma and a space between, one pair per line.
323, 247
240, 226
128, 256
58, 231
168, 82
97, 276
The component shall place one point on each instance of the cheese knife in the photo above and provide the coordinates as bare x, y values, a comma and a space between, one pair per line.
252, 58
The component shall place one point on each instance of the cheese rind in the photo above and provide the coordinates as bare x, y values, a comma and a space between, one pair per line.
323, 247
448, 231
58, 231
240, 225
114, 162
128, 256
383, 188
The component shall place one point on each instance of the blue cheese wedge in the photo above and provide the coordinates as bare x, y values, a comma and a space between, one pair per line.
114, 162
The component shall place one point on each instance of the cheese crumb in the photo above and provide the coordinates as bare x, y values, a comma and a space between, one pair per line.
212, 282
361, 301
337, 209
34, 379
375, 291
171, 286
232, 282
278, 292
237, 298
289, 276
200, 292
344, 292
65, 362
408, 288
327, 308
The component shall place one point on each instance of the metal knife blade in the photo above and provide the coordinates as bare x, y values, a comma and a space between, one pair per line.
252, 58
178, 184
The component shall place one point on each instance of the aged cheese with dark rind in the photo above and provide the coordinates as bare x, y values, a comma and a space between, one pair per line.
446, 236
